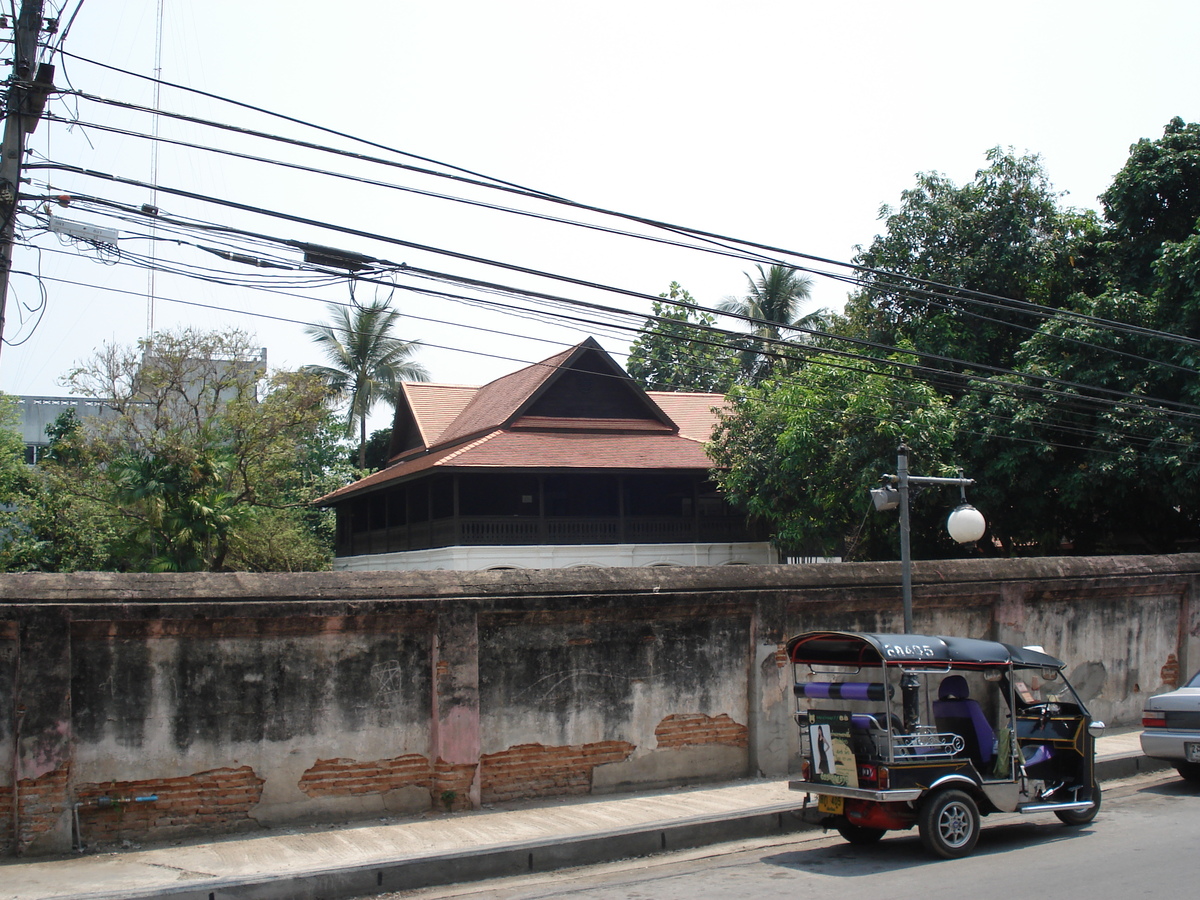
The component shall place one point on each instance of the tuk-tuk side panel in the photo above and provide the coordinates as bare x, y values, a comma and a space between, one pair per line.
922, 775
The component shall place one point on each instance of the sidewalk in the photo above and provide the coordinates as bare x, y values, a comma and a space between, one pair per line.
365, 859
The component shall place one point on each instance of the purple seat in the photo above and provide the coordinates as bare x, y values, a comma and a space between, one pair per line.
955, 711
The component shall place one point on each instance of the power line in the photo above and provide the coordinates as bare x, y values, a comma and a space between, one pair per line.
782, 350
916, 285
1039, 388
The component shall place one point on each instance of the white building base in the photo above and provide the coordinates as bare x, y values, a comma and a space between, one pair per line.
564, 556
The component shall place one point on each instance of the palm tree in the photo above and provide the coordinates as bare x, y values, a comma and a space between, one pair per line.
367, 364
772, 302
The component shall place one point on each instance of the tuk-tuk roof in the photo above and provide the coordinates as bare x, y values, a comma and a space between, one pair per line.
849, 648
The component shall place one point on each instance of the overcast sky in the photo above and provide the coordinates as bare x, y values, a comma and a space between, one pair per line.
784, 123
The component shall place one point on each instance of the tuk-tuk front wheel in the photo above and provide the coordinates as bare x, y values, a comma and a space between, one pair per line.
949, 824
859, 834
1082, 816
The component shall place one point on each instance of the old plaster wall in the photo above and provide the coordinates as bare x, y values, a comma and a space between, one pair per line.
236, 701
613, 695
306, 698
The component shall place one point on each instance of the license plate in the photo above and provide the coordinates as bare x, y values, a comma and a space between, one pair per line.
1191, 749
831, 805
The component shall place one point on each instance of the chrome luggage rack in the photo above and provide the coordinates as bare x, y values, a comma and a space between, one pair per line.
927, 741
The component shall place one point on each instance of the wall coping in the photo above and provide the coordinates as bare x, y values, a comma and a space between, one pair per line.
90, 588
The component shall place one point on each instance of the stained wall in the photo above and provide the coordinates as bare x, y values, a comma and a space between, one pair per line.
147, 707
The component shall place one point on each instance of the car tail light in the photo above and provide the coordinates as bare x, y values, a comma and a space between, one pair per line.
883, 778
805, 770
1154, 718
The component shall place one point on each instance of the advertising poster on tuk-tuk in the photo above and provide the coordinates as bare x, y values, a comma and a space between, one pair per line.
832, 755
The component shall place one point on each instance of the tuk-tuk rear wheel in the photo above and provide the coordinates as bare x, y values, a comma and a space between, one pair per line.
859, 834
949, 824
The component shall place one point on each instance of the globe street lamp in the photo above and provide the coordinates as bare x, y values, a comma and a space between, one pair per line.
965, 523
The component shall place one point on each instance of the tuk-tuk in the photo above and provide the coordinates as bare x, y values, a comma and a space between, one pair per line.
898, 730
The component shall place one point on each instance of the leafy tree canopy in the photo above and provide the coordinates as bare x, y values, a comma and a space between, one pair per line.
680, 348
804, 452
1078, 424
1153, 202
1003, 234
205, 461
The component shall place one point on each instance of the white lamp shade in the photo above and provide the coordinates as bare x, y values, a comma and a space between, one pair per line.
966, 524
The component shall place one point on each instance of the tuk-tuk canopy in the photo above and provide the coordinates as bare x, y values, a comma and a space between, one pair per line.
848, 648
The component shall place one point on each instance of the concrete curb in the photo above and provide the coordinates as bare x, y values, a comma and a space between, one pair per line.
486, 862
1118, 767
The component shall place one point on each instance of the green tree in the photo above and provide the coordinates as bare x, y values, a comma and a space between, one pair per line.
802, 454
366, 363
680, 348
376, 456
1105, 458
773, 302
1003, 235
42, 526
202, 441
1087, 441
1152, 203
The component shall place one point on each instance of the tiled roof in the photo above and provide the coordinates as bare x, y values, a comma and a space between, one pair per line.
494, 403
568, 450
466, 427
547, 450
435, 406
693, 413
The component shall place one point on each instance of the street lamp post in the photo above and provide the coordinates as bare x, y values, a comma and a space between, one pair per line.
965, 523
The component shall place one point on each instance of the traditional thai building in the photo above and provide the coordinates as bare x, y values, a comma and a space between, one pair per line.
567, 462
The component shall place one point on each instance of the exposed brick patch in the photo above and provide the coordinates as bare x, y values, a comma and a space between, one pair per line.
345, 777
534, 770
1170, 672
692, 729
6, 821
43, 800
452, 785
205, 803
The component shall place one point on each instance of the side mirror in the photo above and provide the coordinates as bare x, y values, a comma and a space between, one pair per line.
1096, 729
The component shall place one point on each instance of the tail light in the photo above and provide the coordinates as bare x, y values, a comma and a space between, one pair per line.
884, 778
805, 770
1154, 718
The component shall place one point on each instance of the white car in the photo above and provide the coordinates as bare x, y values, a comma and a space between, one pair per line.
1171, 724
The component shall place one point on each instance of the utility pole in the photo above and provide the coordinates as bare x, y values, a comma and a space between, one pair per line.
27, 92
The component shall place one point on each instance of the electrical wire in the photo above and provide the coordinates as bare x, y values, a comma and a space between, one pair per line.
356, 232
722, 240
839, 337
910, 377
307, 124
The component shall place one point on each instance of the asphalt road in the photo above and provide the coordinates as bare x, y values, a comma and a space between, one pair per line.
1143, 844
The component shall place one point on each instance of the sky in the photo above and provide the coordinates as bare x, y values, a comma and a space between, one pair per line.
788, 124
